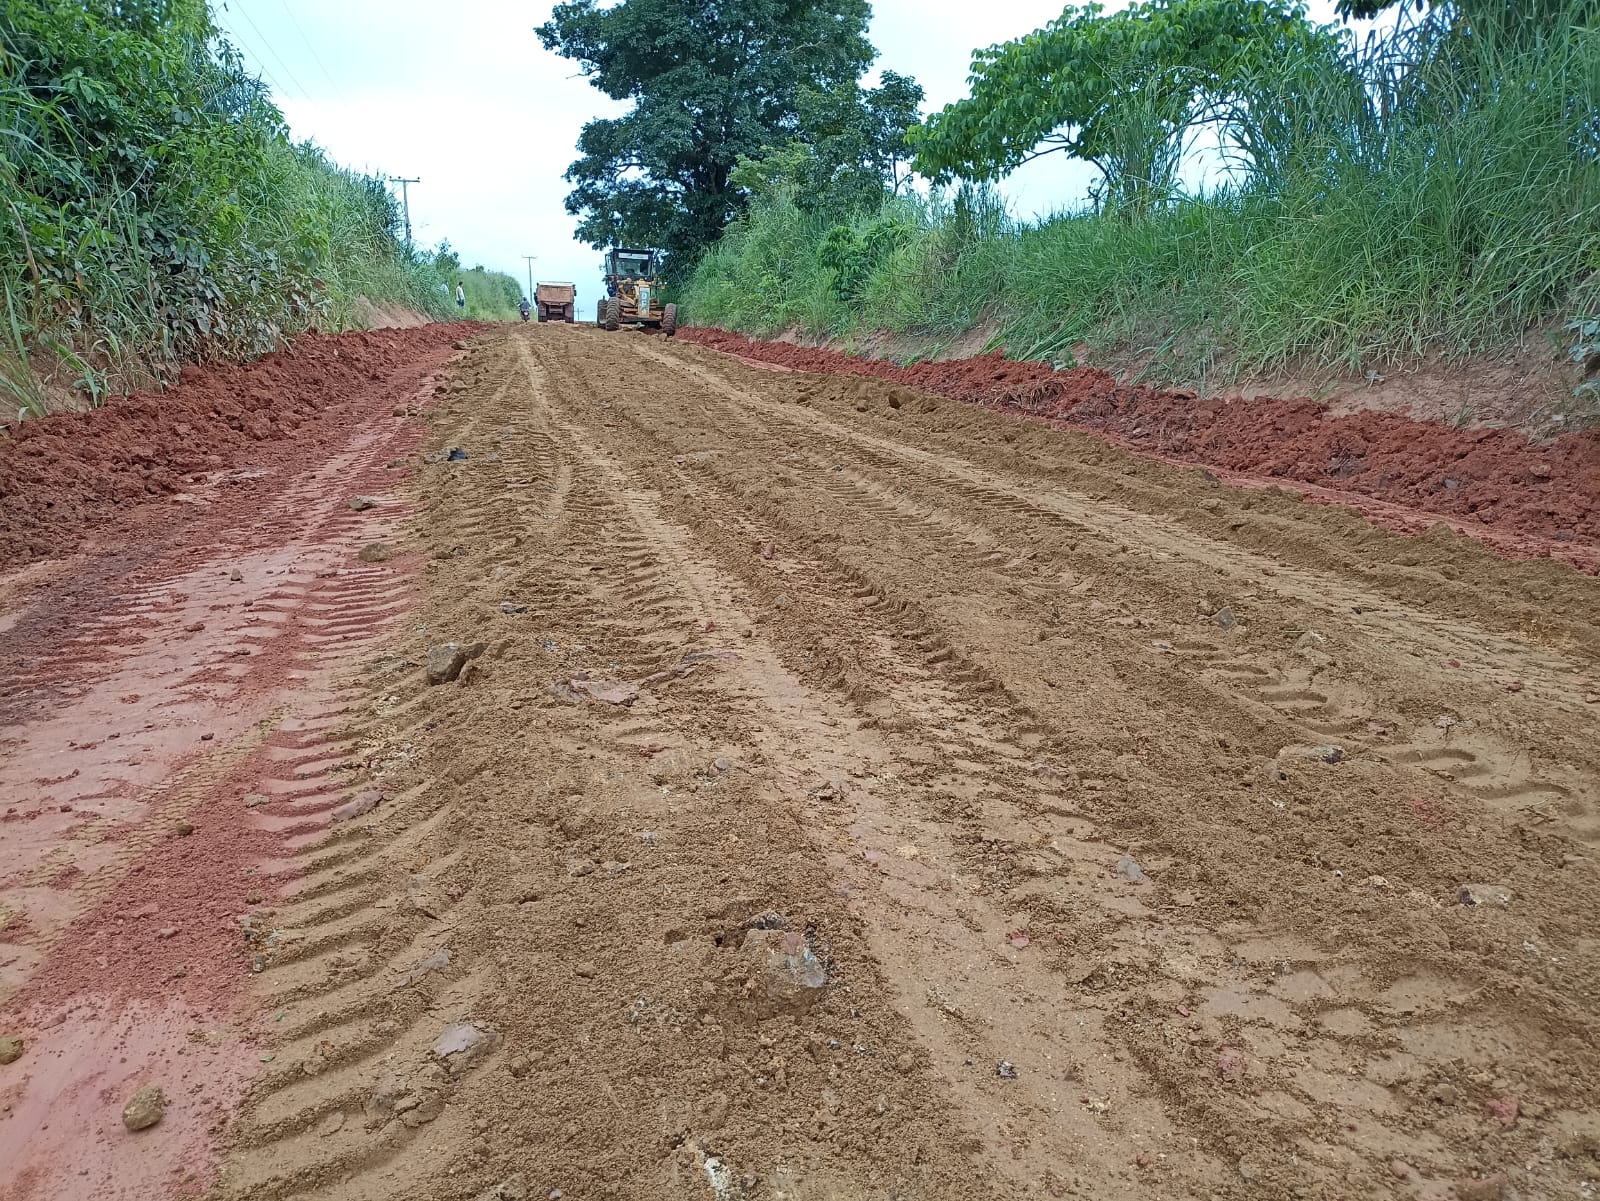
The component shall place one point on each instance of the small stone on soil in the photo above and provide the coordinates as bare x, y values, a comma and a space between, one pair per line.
1484, 894
361, 504
1128, 869
10, 1049
184, 829
792, 976
236, 575
1006, 1070
462, 1045
145, 1108
365, 802
606, 691
1230, 1063
1489, 1188
1223, 618
1503, 1110
437, 961
513, 1188
445, 661
376, 552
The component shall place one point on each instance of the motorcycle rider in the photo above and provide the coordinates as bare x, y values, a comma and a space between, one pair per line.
523, 307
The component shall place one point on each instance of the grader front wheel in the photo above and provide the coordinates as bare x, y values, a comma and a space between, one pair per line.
614, 313
669, 320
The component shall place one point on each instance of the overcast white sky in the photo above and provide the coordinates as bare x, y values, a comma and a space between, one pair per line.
463, 96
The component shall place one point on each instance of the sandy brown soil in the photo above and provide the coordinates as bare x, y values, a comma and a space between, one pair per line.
1536, 500
853, 793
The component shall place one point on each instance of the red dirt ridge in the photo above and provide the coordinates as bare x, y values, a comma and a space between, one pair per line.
63, 475
1495, 477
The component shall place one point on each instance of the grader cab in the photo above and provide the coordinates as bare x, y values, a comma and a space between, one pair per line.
633, 293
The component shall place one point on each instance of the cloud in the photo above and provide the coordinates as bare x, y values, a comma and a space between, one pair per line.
464, 97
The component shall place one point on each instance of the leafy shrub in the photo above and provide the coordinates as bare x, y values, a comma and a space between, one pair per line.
1445, 203
154, 211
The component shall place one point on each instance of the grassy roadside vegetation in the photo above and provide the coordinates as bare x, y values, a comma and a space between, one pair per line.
1433, 192
491, 295
154, 211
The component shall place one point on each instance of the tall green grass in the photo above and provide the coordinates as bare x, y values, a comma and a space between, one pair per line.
491, 295
1445, 205
154, 211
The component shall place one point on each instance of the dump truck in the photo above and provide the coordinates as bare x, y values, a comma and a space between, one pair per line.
556, 301
633, 293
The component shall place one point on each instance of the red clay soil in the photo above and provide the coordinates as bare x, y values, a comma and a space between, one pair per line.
64, 475
1494, 477
170, 715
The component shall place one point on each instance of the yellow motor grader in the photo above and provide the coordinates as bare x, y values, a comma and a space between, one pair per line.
633, 293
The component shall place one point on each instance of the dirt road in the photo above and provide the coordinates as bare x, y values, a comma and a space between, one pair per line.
838, 791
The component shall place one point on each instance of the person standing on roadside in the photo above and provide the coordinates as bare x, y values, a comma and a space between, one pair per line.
461, 296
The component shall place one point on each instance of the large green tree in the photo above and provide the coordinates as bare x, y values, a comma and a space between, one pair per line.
1122, 91
850, 151
710, 80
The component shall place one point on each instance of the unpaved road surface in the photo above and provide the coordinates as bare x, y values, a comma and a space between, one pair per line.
841, 792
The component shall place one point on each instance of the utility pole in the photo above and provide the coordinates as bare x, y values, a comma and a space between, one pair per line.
405, 200
530, 258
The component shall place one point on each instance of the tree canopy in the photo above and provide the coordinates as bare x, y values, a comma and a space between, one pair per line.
710, 81
851, 148
1121, 90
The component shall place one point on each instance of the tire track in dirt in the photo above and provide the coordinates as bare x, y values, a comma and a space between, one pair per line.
1491, 483
604, 571
704, 449
880, 841
763, 677
1499, 770
192, 709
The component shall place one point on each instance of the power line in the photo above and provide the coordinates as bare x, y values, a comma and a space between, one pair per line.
260, 64
315, 57
240, 8
304, 95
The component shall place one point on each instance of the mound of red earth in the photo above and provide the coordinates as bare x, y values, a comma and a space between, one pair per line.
1492, 476
63, 475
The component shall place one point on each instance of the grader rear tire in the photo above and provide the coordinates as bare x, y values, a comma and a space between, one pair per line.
669, 320
614, 313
